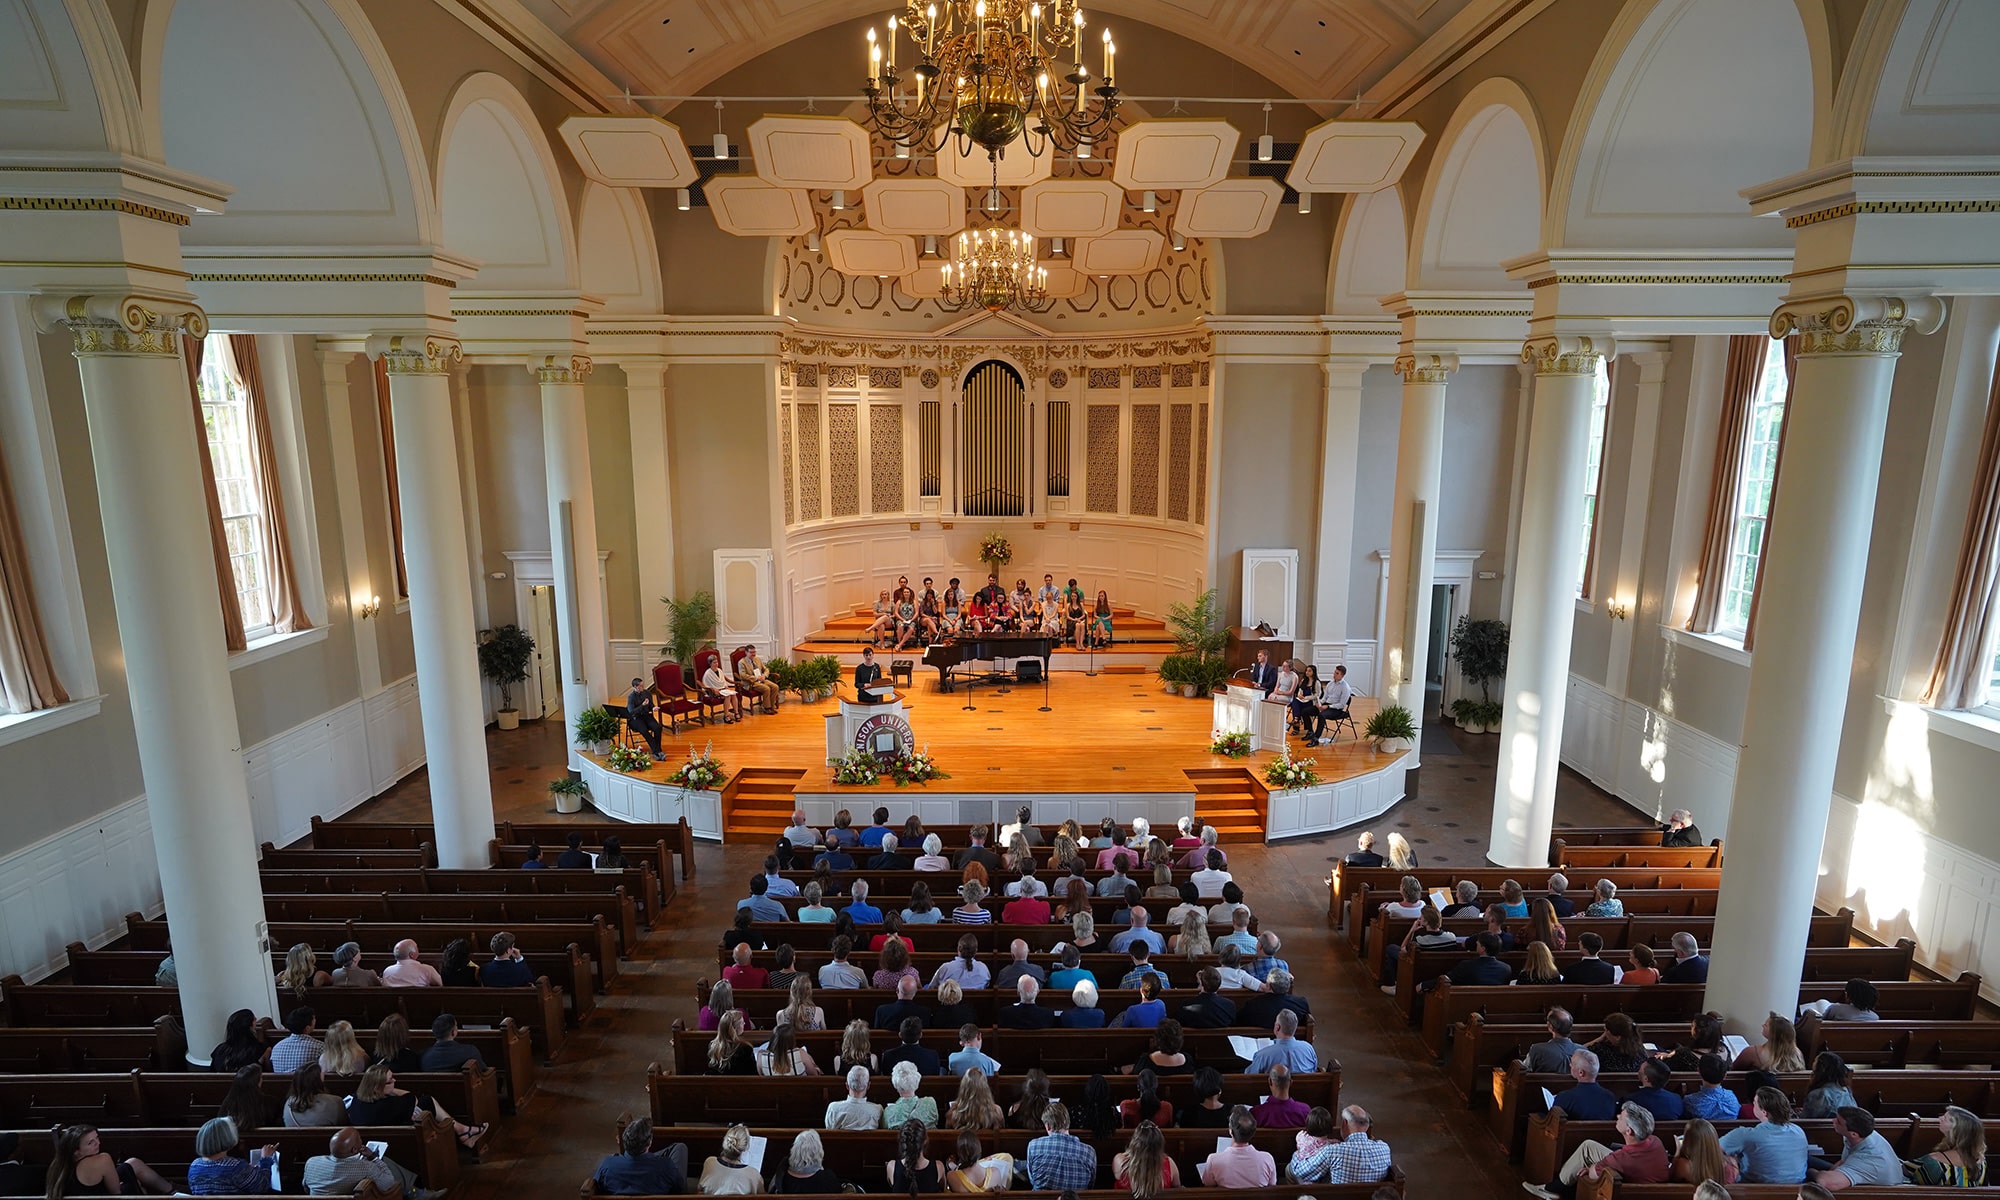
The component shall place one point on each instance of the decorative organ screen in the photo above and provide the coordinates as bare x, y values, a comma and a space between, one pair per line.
1058, 447
929, 447
1145, 499
995, 468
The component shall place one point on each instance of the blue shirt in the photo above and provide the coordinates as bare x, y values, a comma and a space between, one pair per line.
1713, 1104
780, 886
845, 836
1121, 942
1588, 1102
1240, 939
968, 1058
1139, 972
1262, 966
1147, 1014
838, 860
864, 914
1295, 1054
1061, 1162
1663, 1104
228, 1177
872, 836
1605, 908
1515, 910
763, 908
1066, 979
534, 864
507, 972
1769, 1153
640, 1175
1081, 1018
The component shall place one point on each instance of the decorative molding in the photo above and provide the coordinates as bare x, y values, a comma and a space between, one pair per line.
321, 277
1426, 368
91, 204
1863, 324
1556, 354
1644, 757
1550, 280
1037, 357
553, 369
1869, 207
424, 354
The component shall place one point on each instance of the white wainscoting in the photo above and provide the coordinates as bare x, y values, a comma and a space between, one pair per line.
1330, 806
648, 801
1647, 759
1361, 659
1163, 809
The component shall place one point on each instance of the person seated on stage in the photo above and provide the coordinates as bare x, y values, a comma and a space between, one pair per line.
954, 595
885, 618
1075, 617
906, 619
1334, 698
640, 719
1022, 603
1305, 701
951, 625
754, 677
1049, 621
716, 683
930, 609
993, 593
1100, 622
978, 616
1286, 686
867, 673
903, 590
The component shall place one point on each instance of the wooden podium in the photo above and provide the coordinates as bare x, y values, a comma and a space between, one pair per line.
1244, 643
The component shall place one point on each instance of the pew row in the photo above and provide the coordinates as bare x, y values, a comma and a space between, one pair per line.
160, 1099
1056, 1051
1346, 881
615, 907
642, 883
842, 1005
1619, 933
427, 1148
661, 841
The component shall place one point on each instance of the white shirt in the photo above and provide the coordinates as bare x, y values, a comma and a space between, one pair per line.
1288, 684
1208, 882
1224, 914
802, 835
1337, 694
1236, 977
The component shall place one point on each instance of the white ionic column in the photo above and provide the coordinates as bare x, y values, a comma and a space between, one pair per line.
441, 627
156, 538
1333, 553
1406, 619
1801, 671
579, 596
652, 494
1545, 579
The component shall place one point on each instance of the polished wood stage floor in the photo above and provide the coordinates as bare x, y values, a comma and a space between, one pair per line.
1104, 733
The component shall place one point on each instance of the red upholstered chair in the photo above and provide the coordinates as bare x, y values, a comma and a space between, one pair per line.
673, 693
711, 701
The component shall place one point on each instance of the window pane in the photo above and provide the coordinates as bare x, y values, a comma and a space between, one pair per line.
1593, 468
225, 411
1753, 496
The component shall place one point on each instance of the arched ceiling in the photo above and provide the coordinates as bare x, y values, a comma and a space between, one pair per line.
1312, 48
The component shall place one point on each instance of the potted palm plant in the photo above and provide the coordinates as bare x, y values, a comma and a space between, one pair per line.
504, 654
690, 626
596, 728
1198, 640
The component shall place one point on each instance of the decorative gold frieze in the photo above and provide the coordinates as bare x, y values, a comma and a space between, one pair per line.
426, 354
91, 204
1424, 368
1856, 324
113, 324
1560, 355
554, 368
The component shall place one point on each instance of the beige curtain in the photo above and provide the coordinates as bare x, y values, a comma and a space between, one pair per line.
1740, 377
225, 579
1958, 679
389, 473
288, 610
1777, 473
27, 676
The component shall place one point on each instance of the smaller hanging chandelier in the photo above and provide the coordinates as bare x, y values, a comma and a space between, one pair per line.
995, 269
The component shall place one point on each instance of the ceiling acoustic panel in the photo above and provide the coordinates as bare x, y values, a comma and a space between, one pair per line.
1017, 167
1354, 156
636, 151
1064, 281
1174, 155
815, 153
1234, 208
1071, 208
1120, 252
869, 252
914, 206
925, 283
748, 207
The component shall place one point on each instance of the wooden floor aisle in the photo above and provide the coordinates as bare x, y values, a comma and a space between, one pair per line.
552, 1146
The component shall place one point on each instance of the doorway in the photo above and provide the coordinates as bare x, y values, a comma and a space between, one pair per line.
1444, 602
547, 667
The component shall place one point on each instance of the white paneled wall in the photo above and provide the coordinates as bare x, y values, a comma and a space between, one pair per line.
1647, 759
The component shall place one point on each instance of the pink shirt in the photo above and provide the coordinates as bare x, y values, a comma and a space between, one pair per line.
1241, 1165
1106, 855
411, 972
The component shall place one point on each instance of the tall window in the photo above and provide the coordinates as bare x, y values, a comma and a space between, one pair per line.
1753, 494
1593, 474
225, 412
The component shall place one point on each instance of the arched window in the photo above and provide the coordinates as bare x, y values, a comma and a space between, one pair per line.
994, 447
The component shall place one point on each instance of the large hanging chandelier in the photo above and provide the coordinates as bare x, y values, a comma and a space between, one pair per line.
995, 269
986, 74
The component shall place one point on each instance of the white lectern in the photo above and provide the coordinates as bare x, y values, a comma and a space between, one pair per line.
882, 727
1246, 710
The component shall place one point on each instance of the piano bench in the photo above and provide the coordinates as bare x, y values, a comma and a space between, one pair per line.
903, 671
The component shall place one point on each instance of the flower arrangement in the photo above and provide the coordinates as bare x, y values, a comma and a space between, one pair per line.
627, 760
1290, 774
1231, 745
994, 549
701, 772
856, 768
915, 767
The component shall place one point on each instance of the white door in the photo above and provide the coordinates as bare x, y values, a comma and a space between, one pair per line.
548, 667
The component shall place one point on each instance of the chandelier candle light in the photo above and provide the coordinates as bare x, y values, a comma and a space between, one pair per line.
995, 269
983, 77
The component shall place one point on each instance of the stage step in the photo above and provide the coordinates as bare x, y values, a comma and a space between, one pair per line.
757, 803
1229, 799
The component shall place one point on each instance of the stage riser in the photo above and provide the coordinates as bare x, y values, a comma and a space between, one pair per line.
1061, 661
1162, 809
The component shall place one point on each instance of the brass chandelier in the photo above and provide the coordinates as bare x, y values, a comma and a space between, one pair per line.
985, 75
995, 269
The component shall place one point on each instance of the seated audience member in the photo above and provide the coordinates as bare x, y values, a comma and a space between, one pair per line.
1308, 1163
1071, 970
1426, 933
775, 883
1680, 830
1545, 926
1140, 931
1364, 853
1642, 971
721, 999
814, 910
1144, 1168
743, 973
856, 1111
975, 1107
377, 1100
446, 1052
1780, 1051
1026, 1013
1465, 901
1653, 1095
300, 1047
1586, 1099
1229, 969
1018, 966
1960, 1157
1866, 1158
343, 1054
971, 1056
892, 1014
964, 968
1712, 1101
740, 933
784, 968
574, 857
1690, 964
1116, 883
805, 1170
1059, 1160
855, 1048
1557, 895
1827, 1092
348, 971
1484, 969
1857, 1003
1240, 1164
972, 911
1083, 1012
910, 1049
349, 1162
1621, 1047
1278, 1110
1026, 1113
798, 833
1148, 1106
1774, 1149
977, 851
834, 855
729, 1053
1225, 912
727, 1174
1196, 857
1148, 1011
241, 1045
534, 860
782, 1055
889, 855
508, 967
1355, 1158
841, 974
1031, 907
800, 1012
878, 828
1267, 959
1700, 1161
308, 1103
1167, 1055
1513, 901
638, 1169
1641, 1159
410, 969
1189, 920
1210, 1009
457, 969
1209, 880
1142, 967
762, 907
1496, 924
921, 910
1239, 934
1540, 967
862, 912
1606, 902
1552, 1056
1261, 1011
1286, 1049
217, 1172
1206, 1110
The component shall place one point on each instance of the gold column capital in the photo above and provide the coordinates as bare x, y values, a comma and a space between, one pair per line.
1426, 368
1563, 354
1856, 324
417, 354
555, 368
123, 323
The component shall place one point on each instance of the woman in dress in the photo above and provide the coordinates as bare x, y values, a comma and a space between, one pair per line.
301, 971
1100, 622
1144, 1165
79, 1166
1959, 1160
885, 618
906, 619
716, 684
728, 1052
892, 966
973, 1170
1078, 620
912, 1172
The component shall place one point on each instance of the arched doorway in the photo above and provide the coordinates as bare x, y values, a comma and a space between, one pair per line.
994, 443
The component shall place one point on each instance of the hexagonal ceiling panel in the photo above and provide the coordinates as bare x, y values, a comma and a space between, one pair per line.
1120, 252
868, 252
1354, 156
748, 207
1234, 208
638, 151
812, 152
915, 206
1072, 208
1174, 154
1064, 280
924, 283
1018, 168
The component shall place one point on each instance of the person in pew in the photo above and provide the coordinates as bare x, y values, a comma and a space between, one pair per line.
217, 1172
1753, 1080
1540, 967
1229, 966
762, 907
977, 852
1031, 907
1680, 830
1026, 1013
1148, 1106
1168, 1054
1513, 900
1144, 1167
1426, 933
801, 1013
1142, 967
953, 1008
1558, 885
1210, 1009
378, 1101
894, 966
1553, 1056
574, 858
1960, 1158
1701, 1160
1225, 912
798, 833
805, 1170
1402, 856
1586, 1099
858, 908
1621, 1048
911, 1050
1828, 1092
782, 1055
243, 1103
1690, 964
842, 830
1192, 940
813, 910
1484, 969
1018, 966
1267, 959
1653, 1094
1465, 900
1643, 969
446, 1052
726, 1174
1285, 1050
855, 1049
1190, 906
1015, 854
1082, 932
458, 970
964, 969
892, 1014
1278, 1110
1866, 1158
611, 856
1071, 971
1857, 1003
1148, 1011
638, 1169
889, 858
1059, 1160
973, 1170
1712, 1100
1197, 858
784, 968
856, 1111
1780, 1051
508, 967
300, 1046
392, 1047
1026, 1113
349, 1162
1023, 824
1409, 902
834, 855
1240, 1164
878, 828
534, 861
975, 1107
1138, 932
1545, 927
79, 1166
309, 1103
1310, 1161
1209, 880
728, 1052
16, 1177
932, 859
410, 969
1773, 1150
721, 1000
1262, 1010
775, 883
240, 1045
1641, 1159
841, 975
971, 912
1591, 970
343, 1054
1364, 852
970, 1055
743, 973
301, 972
347, 968
1083, 1012
1606, 903
909, 1107
921, 910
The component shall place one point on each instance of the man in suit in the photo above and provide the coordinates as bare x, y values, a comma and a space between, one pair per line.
1261, 1011
1364, 854
1680, 830
890, 859
639, 715
1591, 970
1211, 1009
1263, 675
1027, 1014
902, 1008
866, 674
1690, 964
923, 1058
1484, 969
977, 852
1564, 906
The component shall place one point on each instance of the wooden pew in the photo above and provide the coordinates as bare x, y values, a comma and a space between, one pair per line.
389, 907
677, 837
640, 882
1656, 893
1892, 1044
1101, 907
1056, 1051
817, 937
594, 939
1447, 1006
1599, 858
842, 1005
1346, 881
662, 842
537, 1009
1102, 965
428, 1148
140, 1098
569, 972
1602, 835
271, 858
1619, 933
1288, 1191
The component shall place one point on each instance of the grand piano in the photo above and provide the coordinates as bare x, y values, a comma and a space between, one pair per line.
961, 653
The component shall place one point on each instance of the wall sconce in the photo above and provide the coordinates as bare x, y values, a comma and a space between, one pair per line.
371, 608
1618, 610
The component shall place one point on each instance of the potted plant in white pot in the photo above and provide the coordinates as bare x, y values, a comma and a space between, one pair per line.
1480, 648
570, 794
504, 655
1392, 730
596, 729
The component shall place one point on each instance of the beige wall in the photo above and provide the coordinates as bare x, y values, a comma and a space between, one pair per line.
611, 485
718, 418
1268, 493
506, 405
